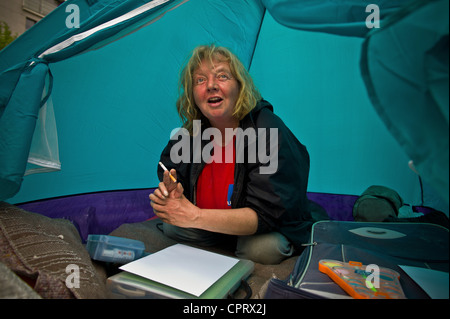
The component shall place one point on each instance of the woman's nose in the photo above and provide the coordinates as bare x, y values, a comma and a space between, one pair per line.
212, 83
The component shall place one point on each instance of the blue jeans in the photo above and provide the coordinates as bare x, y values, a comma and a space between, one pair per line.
268, 248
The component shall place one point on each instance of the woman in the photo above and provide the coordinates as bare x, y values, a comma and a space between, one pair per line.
244, 195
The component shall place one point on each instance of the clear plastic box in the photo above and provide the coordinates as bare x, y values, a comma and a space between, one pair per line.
114, 249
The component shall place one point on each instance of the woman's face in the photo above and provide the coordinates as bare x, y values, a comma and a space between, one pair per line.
216, 92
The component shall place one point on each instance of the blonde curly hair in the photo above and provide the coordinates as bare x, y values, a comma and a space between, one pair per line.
248, 93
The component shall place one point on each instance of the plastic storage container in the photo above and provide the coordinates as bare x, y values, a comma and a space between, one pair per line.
114, 249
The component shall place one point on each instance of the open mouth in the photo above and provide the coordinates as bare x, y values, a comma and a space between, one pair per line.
215, 100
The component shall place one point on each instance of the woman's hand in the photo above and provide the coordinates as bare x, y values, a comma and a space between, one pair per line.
167, 186
170, 205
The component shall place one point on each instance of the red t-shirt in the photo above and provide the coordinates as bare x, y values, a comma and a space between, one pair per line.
215, 183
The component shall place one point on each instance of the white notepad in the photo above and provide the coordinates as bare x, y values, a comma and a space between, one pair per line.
186, 268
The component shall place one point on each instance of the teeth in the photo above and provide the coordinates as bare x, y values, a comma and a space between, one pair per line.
214, 99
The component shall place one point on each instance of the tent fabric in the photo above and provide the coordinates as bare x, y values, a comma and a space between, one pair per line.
43, 156
18, 114
103, 212
97, 213
110, 95
342, 17
97, 31
17, 125
405, 67
52, 30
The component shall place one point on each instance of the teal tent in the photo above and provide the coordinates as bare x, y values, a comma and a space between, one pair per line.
87, 96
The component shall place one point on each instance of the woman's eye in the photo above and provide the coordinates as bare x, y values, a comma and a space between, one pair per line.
223, 77
200, 80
